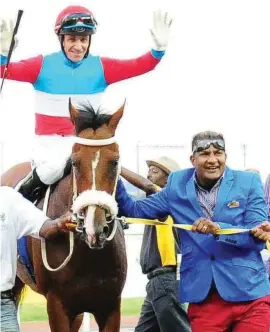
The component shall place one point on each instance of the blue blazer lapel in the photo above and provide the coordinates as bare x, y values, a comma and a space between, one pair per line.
192, 197
224, 190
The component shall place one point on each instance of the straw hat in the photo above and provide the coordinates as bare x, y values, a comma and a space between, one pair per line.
166, 164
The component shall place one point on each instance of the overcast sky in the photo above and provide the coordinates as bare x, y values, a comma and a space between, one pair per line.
215, 75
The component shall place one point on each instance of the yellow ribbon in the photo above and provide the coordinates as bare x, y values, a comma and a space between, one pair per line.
226, 231
71, 225
183, 226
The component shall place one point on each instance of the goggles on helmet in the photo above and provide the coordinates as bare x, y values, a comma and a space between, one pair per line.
205, 144
78, 23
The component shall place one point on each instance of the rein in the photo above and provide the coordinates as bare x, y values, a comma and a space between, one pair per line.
43, 241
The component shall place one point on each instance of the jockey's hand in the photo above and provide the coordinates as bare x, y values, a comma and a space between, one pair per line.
160, 30
262, 231
6, 32
205, 226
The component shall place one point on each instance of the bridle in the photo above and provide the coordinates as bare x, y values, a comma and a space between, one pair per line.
78, 216
98, 198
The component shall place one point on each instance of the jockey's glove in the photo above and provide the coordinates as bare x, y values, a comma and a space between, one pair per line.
160, 30
6, 32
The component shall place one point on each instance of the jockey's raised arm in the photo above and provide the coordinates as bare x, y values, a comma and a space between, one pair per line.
118, 70
23, 71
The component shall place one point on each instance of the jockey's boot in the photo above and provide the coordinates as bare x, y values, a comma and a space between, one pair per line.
42, 176
33, 188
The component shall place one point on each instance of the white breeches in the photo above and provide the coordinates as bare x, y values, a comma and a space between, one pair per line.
50, 154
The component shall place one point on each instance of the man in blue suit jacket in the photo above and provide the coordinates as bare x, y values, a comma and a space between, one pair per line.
222, 277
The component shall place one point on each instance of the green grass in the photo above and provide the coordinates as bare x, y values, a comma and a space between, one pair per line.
132, 307
37, 312
32, 312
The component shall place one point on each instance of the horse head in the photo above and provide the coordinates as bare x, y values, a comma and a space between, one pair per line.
95, 168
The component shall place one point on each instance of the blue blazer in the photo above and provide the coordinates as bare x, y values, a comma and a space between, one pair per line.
233, 261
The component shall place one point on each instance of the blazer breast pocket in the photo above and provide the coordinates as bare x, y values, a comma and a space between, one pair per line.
234, 209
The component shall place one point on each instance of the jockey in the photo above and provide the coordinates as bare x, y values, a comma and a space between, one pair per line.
73, 72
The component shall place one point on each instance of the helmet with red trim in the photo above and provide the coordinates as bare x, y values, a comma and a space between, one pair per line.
75, 20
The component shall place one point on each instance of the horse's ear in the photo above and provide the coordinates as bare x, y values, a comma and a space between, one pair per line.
73, 112
116, 117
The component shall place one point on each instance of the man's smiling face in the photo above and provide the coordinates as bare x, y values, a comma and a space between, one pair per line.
76, 47
209, 164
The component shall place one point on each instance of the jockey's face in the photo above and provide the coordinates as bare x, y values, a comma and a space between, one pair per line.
157, 176
75, 47
209, 164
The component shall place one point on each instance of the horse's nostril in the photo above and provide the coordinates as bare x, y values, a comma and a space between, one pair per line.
106, 230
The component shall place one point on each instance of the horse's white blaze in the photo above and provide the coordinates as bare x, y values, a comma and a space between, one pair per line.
94, 167
89, 222
90, 213
116, 178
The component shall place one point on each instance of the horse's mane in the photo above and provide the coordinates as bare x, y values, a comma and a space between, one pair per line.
89, 118
68, 167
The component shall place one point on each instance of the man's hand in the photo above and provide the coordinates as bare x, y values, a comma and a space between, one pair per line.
63, 221
262, 231
6, 32
160, 30
50, 228
205, 226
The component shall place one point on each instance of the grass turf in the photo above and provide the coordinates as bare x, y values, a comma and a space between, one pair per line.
30, 312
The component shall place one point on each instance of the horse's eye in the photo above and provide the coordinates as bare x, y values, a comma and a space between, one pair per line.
74, 163
114, 163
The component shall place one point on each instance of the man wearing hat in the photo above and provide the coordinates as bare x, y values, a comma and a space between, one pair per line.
161, 310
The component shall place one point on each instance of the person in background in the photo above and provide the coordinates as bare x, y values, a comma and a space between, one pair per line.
161, 310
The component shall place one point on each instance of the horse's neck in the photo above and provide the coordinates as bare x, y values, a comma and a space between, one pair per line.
61, 198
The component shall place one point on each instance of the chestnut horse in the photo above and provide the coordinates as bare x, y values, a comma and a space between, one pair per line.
93, 280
